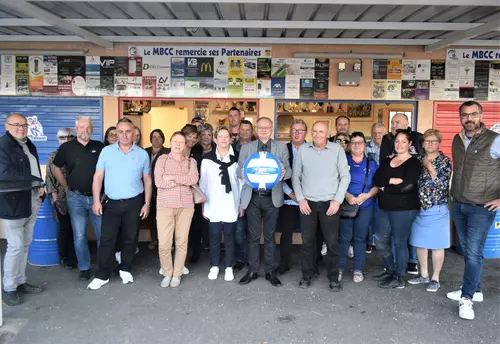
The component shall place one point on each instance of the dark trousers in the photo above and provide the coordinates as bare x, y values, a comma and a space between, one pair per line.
120, 220
65, 239
216, 229
196, 232
261, 208
395, 225
288, 220
330, 228
240, 240
153, 227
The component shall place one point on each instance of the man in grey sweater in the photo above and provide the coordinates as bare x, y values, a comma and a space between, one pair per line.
320, 180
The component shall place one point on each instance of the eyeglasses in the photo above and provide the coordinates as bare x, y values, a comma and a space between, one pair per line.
299, 131
18, 125
234, 134
472, 115
112, 135
431, 142
264, 128
342, 141
66, 137
357, 143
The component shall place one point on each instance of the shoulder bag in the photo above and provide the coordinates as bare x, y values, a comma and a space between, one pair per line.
351, 210
198, 195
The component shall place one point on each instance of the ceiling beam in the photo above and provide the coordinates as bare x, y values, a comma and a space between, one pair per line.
243, 40
250, 24
493, 3
33, 11
458, 36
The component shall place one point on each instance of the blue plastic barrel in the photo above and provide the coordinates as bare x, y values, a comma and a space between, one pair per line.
44, 250
492, 244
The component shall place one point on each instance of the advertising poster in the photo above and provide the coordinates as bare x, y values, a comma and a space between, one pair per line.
380, 70
250, 87
107, 75
409, 69
437, 90
158, 67
378, 89
394, 70
263, 87
134, 86
220, 88
93, 75
452, 70
322, 70
7, 70
438, 69
393, 89
121, 66
64, 75
451, 89
135, 66
177, 66
50, 74
178, 86
78, 85
250, 68
235, 85
36, 74
235, 68
278, 87
292, 67
481, 79
423, 90
466, 74
206, 87
320, 88
307, 89
149, 86
192, 87
22, 75
494, 81
307, 67
292, 86
206, 68
264, 68
408, 88
163, 84
278, 68
423, 71
121, 86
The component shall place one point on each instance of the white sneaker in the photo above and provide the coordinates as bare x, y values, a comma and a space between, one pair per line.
457, 294
126, 277
214, 273
161, 271
165, 282
350, 252
229, 276
465, 310
97, 283
324, 249
118, 257
185, 271
175, 281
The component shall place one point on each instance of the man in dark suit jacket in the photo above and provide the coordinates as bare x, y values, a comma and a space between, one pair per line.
289, 215
400, 122
19, 169
263, 204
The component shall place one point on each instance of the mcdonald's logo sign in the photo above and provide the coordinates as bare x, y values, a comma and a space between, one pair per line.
206, 67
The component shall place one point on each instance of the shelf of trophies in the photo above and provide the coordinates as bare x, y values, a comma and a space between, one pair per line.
215, 112
312, 108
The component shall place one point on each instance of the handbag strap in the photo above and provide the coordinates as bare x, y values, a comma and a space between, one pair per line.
366, 174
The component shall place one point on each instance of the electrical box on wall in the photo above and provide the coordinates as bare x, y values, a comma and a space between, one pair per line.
349, 78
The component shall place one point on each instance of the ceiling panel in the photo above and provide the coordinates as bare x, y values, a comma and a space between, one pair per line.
430, 34
132, 9
181, 10
390, 34
12, 13
177, 31
332, 33
400, 13
489, 35
293, 33
102, 31
122, 31
10, 31
109, 10
229, 11
159, 31
61, 10
217, 32
274, 32
235, 32
303, 12
254, 11
474, 14
25, 30
205, 11
493, 16
88, 10
140, 31
327, 12
370, 33
278, 11
375, 13
350, 33
312, 33
426, 13
409, 34
450, 13
351, 12
157, 10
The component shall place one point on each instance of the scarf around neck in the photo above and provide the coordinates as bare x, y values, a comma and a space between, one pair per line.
223, 167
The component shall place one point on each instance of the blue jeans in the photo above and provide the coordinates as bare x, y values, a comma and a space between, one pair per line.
79, 209
356, 229
473, 223
216, 229
395, 225
240, 240
412, 253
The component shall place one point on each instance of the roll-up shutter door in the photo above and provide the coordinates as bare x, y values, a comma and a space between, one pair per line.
447, 120
46, 115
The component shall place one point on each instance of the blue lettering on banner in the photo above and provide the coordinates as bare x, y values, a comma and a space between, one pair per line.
163, 51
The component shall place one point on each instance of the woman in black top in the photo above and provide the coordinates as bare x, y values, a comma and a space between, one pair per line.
399, 204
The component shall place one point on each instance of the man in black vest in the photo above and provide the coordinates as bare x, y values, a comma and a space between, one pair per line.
19, 168
289, 216
475, 190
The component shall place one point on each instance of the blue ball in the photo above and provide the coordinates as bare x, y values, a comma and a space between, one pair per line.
262, 170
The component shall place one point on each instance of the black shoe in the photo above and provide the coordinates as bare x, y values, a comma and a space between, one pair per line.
194, 258
84, 275
316, 272
273, 279
383, 276
67, 265
394, 282
26, 288
368, 248
412, 268
305, 282
281, 269
11, 298
238, 266
336, 286
249, 277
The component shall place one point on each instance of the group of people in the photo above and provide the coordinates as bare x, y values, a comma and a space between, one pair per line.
347, 196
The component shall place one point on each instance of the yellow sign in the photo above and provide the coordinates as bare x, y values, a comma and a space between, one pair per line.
206, 67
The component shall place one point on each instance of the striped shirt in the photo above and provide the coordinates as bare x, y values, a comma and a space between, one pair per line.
175, 193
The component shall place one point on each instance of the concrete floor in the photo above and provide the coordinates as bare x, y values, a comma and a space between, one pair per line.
203, 311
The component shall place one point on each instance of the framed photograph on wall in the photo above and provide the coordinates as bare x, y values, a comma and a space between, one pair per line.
360, 112
329, 121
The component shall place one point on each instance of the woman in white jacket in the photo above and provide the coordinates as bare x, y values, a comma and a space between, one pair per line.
220, 183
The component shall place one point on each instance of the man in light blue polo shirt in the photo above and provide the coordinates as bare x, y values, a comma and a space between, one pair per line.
125, 170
